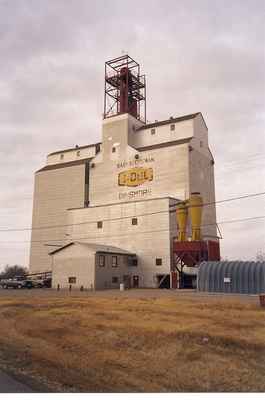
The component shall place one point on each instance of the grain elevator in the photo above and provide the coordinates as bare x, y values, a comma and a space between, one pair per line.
117, 199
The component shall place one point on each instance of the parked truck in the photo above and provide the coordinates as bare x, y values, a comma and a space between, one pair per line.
16, 283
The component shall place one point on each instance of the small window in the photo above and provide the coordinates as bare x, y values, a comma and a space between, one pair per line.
113, 149
61, 156
115, 279
134, 221
172, 127
101, 260
158, 261
201, 143
153, 131
72, 279
132, 261
100, 224
114, 261
78, 153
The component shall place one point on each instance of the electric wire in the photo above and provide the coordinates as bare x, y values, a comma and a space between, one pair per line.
138, 233
130, 216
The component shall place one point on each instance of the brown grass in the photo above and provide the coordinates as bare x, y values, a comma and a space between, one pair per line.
127, 344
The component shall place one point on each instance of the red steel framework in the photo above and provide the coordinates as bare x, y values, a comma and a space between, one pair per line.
125, 88
191, 254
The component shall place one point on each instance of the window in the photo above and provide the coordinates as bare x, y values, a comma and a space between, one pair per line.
72, 279
114, 261
153, 131
134, 221
61, 156
113, 149
132, 261
101, 260
158, 261
172, 127
78, 153
115, 279
201, 143
100, 224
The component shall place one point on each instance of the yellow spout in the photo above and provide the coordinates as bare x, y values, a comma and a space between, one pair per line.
195, 207
182, 216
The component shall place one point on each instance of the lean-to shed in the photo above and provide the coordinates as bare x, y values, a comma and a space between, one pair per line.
246, 277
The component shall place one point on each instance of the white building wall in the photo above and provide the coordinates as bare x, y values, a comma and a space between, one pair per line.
169, 167
163, 134
149, 239
54, 192
180, 167
73, 261
76, 154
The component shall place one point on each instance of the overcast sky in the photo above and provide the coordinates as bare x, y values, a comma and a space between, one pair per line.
198, 55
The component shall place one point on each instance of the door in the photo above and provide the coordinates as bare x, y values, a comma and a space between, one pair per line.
135, 281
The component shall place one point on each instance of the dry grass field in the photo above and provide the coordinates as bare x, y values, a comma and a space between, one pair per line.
124, 344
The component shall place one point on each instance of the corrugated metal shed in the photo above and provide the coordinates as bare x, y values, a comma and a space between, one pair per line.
232, 277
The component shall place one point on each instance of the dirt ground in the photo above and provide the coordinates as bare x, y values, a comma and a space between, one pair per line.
134, 341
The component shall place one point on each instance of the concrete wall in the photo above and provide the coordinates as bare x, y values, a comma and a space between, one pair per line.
54, 192
73, 261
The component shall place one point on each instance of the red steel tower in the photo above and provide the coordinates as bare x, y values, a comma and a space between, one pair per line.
125, 89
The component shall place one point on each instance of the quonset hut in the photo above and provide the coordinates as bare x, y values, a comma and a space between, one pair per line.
246, 277
122, 193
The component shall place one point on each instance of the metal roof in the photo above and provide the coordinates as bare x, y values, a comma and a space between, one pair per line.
98, 248
65, 164
168, 121
75, 148
232, 277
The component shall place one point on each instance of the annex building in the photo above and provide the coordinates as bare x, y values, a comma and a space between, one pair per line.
105, 213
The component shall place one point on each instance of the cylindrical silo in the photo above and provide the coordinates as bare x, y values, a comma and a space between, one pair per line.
195, 208
182, 216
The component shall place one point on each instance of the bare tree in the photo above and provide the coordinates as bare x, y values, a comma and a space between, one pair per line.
11, 271
260, 256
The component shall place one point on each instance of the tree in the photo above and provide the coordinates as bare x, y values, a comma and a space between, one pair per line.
260, 256
11, 271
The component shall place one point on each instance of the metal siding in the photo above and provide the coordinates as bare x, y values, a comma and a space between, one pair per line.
245, 269
246, 277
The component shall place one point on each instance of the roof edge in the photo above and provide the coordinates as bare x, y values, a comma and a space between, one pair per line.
168, 121
74, 148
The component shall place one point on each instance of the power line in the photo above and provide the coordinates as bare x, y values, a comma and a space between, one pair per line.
131, 216
246, 196
138, 233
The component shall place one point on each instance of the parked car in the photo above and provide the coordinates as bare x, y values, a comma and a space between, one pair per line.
37, 283
16, 283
